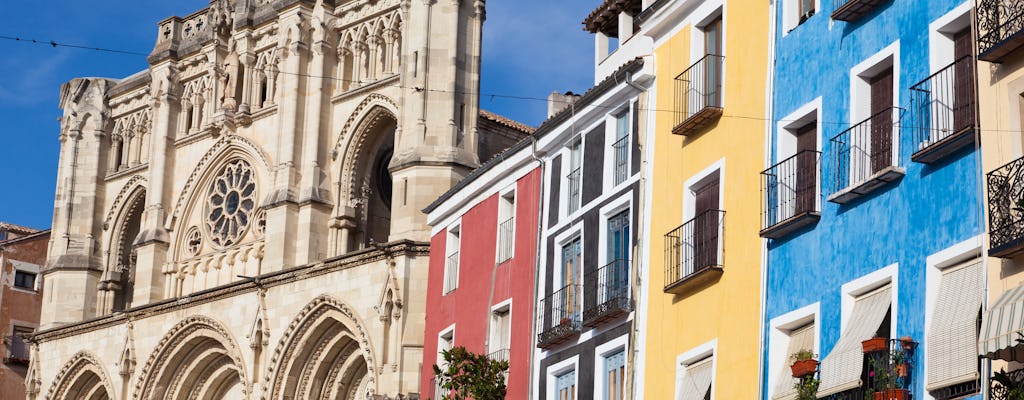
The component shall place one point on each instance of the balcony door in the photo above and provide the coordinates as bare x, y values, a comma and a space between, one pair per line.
572, 258
806, 167
705, 228
713, 64
881, 120
963, 84
615, 273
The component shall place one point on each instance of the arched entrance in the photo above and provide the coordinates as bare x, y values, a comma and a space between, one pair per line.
195, 360
81, 378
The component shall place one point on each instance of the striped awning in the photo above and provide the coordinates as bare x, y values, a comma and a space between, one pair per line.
1002, 325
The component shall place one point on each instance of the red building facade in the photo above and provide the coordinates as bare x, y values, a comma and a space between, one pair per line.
480, 289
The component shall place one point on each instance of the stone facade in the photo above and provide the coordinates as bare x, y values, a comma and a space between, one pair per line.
242, 219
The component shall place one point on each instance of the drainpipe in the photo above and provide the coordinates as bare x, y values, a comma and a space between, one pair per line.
536, 260
638, 276
770, 111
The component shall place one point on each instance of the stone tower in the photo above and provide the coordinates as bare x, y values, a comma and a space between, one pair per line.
256, 194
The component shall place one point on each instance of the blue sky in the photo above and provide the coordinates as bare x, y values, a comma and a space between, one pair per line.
531, 47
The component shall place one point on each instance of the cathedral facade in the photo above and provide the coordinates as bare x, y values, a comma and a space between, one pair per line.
241, 220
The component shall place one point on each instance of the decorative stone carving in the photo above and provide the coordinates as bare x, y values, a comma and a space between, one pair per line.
230, 203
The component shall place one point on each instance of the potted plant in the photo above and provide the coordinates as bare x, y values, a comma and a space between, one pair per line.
889, 371
565, 321
875, 344
807, 388
804, 363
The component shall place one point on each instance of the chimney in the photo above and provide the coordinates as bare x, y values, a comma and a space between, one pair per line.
558, 102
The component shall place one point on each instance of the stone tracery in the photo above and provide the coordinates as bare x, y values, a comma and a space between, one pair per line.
230, 203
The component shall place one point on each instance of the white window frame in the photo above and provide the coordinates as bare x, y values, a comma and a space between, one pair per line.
785, 141
781, 328
561, 241
567, 168
601, 352
860, 87
611, 136
708, 11
453, 235
504, 306
28, 268
937, 263
555, 370
503, 201
692, 356
791, 14
448, 331
699, 179
856, 288
609, 210
940, 35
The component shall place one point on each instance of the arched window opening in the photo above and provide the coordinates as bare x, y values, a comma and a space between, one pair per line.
125, 262
188, 117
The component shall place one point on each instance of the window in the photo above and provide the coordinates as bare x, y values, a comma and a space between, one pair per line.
841, 370
17, 349
25, 280
706, 222
451, 264
615, 375
713, 46
445, 342
800, 338
3, 234
620, 148
575, 177
506, 225
501, 329
572, 260
565, 385
613, 278
953, 367
697, 380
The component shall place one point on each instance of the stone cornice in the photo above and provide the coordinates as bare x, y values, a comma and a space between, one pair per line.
269, 280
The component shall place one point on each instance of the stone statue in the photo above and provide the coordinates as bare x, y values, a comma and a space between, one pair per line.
229, 79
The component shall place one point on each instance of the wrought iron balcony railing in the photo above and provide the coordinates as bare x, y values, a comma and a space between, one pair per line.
693, 252
698, 95
559, 318
1008, 386
575, 179
451, 273
1000, 28
852, 10
886, 375
506, 230
499, 355
790, 193
1006, 209
610, 284
865, 156
17, 350
621, 150
944, 107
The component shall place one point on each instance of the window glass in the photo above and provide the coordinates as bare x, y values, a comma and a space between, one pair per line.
615, 375
24, 280
566, 386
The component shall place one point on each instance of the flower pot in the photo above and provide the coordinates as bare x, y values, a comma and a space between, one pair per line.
565, 322
902, 369
875, 344
892, 394
803, 368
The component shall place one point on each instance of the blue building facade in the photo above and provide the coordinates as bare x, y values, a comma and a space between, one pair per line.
872, 199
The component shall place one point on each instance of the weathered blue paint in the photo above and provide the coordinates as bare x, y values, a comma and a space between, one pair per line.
930, 209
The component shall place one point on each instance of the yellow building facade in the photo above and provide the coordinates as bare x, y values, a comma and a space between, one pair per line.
704, 287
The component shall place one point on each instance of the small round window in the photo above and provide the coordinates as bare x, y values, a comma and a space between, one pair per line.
230, 203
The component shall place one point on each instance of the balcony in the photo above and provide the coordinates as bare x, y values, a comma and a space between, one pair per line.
1006, 209
886, 375
1007, 386
505, 231
560, 317
451, 273
499, 355
17, 350
698, 96
852, 10
611, 285
1000, 29
790, 193
865, 157
621, 150
693, 253
944, 106
575, 179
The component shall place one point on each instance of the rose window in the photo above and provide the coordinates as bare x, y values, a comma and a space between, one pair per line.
230, 203
193, 242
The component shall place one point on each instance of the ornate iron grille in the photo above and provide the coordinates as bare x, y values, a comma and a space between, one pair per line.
1006, 384
1006, 206
562, 317
999, 21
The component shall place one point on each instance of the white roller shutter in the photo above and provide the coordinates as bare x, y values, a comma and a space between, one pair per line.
697, 380
841, 369
952, 337
799, 339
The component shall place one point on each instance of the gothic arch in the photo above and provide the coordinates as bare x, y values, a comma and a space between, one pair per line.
196, 359
82, 377
324, 353
228, 147
133, 183
354, 136
119, 274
